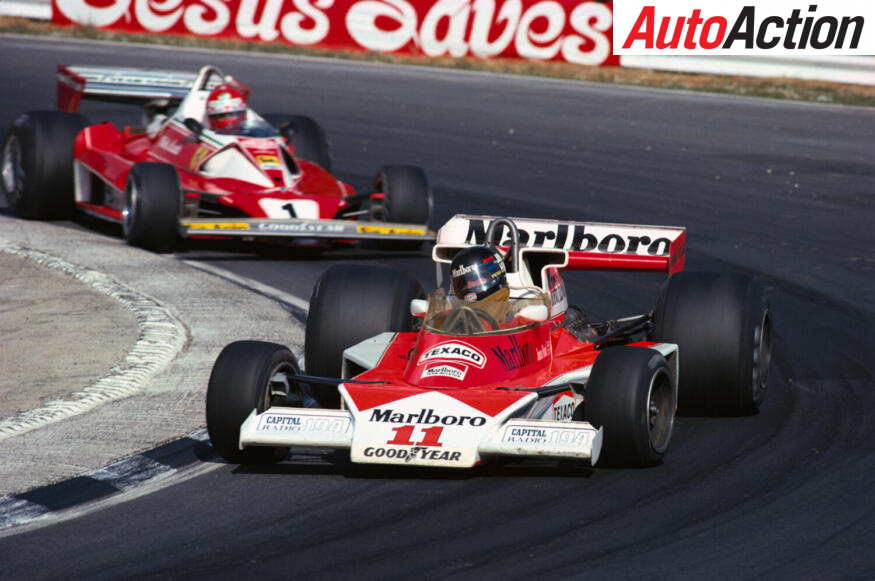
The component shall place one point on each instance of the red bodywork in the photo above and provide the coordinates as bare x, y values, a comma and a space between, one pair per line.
262, 187
524, 360
501, 376
506, 366
110, 153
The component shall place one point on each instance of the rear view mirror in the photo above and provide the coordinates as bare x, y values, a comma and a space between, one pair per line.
418, 307
194, 126
538, 313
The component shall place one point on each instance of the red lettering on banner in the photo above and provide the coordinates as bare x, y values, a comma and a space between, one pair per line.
645, 20
676, 38
574, 31
706, 32
645, 24
693, 23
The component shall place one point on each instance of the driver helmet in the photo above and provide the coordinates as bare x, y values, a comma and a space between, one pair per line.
226, 108
477, 272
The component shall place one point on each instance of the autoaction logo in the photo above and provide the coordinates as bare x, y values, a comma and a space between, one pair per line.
742, 27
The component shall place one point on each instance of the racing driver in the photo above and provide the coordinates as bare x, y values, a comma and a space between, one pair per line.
479, 278
226, 109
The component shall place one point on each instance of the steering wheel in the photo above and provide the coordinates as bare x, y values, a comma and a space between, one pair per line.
467, 320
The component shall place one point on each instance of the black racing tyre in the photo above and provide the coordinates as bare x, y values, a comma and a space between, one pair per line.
630, 393
240, 382
722, 325
350, 303
307, 137
408, 194
408, 200
153, 198
37, 164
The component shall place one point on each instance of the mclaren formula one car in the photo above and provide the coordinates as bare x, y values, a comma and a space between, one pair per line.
201, 164
449, 381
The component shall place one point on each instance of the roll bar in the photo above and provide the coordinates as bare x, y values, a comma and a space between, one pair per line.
203, 76
513, 250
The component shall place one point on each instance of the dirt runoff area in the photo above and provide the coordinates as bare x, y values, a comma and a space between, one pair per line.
49, 329
770, 87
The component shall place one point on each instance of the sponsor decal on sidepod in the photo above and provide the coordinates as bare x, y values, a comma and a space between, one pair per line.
457, 351
445, 371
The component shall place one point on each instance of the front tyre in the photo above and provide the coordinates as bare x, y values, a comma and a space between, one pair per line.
407, 199
722, 324
351, 303
36, 163
247, 375
153, 197
630, 393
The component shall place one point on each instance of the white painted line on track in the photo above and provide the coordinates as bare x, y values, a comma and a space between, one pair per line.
161, 339
251, 284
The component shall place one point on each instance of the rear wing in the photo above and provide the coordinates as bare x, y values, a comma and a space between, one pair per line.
589, 245
128, 85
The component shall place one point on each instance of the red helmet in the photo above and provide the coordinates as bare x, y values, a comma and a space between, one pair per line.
226, 108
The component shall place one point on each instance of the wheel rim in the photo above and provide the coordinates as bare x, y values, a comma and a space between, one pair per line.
12, 171
278, 386
660, 411
129, 213
762, 355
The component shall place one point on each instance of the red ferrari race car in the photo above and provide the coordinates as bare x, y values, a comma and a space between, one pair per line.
201, 164
500, 366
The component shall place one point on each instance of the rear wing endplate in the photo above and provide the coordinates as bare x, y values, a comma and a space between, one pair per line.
589, 245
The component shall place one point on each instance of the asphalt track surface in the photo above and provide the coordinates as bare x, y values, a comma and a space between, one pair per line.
765, 187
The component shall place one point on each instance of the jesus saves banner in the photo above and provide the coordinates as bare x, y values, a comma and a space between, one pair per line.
576, 32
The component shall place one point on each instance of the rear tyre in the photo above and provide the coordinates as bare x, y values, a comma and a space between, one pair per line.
408, 200
630, 393
37, 164
307, 137
243, 379
153, 197
351, 303
722, 325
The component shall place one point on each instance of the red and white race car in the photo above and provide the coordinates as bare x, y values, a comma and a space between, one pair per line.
538, 379
201, 164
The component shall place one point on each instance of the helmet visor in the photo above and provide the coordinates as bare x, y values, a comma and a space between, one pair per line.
477, 280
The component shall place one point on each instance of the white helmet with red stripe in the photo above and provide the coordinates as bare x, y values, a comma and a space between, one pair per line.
226, 108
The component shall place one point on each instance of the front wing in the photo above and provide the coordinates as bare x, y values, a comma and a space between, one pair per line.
423, 443
303, 228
